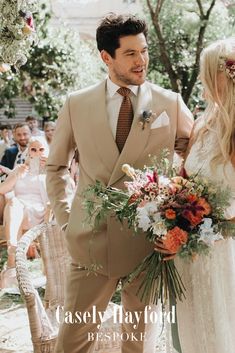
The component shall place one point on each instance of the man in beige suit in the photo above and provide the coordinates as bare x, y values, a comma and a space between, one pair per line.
89, 121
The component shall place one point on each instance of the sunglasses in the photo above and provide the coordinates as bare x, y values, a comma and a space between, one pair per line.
34, 149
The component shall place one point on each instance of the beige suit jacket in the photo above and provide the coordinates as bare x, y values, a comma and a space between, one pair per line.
83, 123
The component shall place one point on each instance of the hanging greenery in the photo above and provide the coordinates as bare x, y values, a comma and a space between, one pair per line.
59, 62
17, 32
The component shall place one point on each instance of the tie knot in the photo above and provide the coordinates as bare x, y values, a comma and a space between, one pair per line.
123, 91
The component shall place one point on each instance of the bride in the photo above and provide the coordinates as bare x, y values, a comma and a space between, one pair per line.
206, 318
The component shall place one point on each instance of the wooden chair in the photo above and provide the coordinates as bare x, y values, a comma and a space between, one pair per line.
54, 257
55, 260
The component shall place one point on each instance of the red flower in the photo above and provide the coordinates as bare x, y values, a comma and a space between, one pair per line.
133, 198
183, 173
197, 209
174, 239
193, 217
153, 178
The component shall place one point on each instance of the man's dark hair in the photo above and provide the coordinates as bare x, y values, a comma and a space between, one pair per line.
5, 127
19, 125
113, 27
30, 118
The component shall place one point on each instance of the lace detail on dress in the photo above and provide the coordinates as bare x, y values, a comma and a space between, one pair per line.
206, 318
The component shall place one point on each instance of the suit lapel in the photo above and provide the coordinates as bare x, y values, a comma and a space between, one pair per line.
102, 135
137, 138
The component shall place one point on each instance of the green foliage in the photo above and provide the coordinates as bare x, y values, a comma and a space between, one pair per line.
180, 24
16, 33
58, 63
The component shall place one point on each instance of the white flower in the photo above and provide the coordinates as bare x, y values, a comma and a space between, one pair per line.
164, 181
143, 219
207, 234
159, 228
144, 215
144, 223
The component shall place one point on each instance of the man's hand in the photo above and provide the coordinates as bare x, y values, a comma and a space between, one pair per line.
160, 247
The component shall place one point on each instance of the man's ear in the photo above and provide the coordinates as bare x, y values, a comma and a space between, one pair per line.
106, 57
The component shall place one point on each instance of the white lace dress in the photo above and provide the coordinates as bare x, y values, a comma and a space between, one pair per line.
206, 319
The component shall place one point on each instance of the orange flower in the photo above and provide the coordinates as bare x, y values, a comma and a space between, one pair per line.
203, 203
174, 239
192, 197
170, 214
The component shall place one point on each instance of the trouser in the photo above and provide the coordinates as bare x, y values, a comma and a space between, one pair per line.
88, 292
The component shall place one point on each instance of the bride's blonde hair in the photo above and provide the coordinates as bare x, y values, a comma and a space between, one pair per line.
219, 86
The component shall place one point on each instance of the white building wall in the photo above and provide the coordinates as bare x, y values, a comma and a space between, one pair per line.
84, 15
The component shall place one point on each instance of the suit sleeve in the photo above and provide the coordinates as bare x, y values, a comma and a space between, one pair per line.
184, 126
58, 177
4, 160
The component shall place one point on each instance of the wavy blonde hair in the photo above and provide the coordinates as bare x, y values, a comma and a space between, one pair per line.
219, 115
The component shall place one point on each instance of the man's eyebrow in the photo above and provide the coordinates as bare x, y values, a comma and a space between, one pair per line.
133, 50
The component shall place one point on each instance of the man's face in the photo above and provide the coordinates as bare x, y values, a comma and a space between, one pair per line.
33, 124
22, 136
5, 133
129, 67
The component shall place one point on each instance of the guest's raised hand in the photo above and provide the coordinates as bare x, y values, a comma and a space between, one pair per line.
21, 170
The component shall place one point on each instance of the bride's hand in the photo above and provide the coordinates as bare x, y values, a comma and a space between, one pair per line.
160, 247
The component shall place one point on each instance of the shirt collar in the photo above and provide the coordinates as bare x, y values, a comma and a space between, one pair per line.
112, 88
20, 151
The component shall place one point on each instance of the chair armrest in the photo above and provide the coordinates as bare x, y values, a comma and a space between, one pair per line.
40, 326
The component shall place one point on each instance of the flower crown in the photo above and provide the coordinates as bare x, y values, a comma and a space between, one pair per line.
227, 65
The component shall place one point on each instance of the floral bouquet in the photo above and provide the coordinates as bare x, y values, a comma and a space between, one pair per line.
184, 213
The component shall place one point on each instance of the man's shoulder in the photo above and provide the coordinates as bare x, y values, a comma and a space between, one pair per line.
11, 150
87, 91
158, 90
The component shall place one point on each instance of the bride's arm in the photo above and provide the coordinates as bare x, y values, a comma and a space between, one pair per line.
9, 183
196, 127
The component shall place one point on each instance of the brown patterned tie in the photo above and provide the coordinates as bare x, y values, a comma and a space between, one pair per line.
125, 118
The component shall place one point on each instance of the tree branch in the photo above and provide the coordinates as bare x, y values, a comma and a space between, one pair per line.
200, 8
165, 59
152, 13
210, 9
199, 48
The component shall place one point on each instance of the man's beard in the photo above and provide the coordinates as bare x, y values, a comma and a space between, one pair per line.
23, 144
129, 81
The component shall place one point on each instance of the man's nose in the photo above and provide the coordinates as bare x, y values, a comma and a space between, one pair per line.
140, 59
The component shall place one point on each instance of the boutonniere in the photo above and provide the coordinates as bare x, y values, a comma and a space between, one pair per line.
146, 117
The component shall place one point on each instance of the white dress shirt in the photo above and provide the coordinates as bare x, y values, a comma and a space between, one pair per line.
114, 101
21, 156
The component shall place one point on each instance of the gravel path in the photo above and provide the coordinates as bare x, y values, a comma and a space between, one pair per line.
14, 328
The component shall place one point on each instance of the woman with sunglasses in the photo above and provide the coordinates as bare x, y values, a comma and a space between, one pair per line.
27, 201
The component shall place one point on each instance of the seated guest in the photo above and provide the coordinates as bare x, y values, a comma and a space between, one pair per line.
27, 206
33, 125
6, 138
49, 129
17, 154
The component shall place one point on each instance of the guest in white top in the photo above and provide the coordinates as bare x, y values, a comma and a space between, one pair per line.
28, 204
